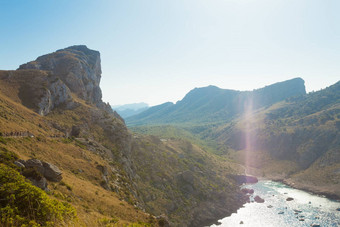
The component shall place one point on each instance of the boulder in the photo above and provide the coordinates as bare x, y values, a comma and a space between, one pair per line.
258, 199
52, 172
48, 170
35, 163
19, 164
40, 183
289, 199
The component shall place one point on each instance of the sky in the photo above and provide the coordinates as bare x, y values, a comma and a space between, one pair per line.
156, 51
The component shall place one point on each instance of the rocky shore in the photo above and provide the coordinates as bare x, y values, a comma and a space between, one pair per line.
314, 189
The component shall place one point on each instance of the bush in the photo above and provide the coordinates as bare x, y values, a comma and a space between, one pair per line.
24, 204
7, 157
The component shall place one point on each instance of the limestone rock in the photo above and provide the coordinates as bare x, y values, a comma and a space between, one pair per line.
52, 172
77, 66
35, 163
48, 170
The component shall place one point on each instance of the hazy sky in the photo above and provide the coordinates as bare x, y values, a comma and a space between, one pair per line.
158, 50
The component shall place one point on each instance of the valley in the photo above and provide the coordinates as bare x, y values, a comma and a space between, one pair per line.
171, 164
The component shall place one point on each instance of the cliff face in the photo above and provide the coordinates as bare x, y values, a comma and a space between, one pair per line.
77, 66
38, 90
49, 81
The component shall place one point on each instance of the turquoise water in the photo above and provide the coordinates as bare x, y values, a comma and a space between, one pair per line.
306, 209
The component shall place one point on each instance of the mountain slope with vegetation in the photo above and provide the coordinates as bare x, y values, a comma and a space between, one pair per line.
212, 104
302, 134
295, 140
51, 111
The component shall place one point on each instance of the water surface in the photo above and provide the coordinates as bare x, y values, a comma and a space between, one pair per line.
306, 209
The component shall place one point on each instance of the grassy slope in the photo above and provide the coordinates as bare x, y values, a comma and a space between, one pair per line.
184, 181
137, 166
94, 204
297, 140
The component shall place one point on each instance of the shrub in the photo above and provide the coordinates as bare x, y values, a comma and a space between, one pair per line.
24, 204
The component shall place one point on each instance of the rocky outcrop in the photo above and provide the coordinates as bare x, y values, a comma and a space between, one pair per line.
38, 90
47, 170
77, 66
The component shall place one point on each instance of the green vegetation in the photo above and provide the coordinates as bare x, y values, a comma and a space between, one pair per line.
214, 105
24, 204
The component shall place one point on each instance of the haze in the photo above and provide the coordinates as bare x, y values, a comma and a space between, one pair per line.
156, 51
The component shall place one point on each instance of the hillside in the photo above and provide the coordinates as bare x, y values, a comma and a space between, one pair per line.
52, 112
212, 104
295, 140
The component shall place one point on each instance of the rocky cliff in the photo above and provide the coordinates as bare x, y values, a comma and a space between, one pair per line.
77, 66
39, 90
77, 70
90, 143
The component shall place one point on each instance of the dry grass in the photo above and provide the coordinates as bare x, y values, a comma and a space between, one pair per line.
93, 203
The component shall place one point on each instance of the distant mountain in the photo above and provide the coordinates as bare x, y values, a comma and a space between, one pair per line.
296, 140
128, 110
213, 104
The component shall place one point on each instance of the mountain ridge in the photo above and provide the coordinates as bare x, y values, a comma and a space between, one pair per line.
213, 104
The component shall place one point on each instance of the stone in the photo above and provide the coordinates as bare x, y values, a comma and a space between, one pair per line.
289, 199
40, 183
52, 172
35, 163
241, 223
19, 164
258, 199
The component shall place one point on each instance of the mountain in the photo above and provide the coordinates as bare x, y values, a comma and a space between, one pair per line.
53, 122
212, 104
295, 140
128, 110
